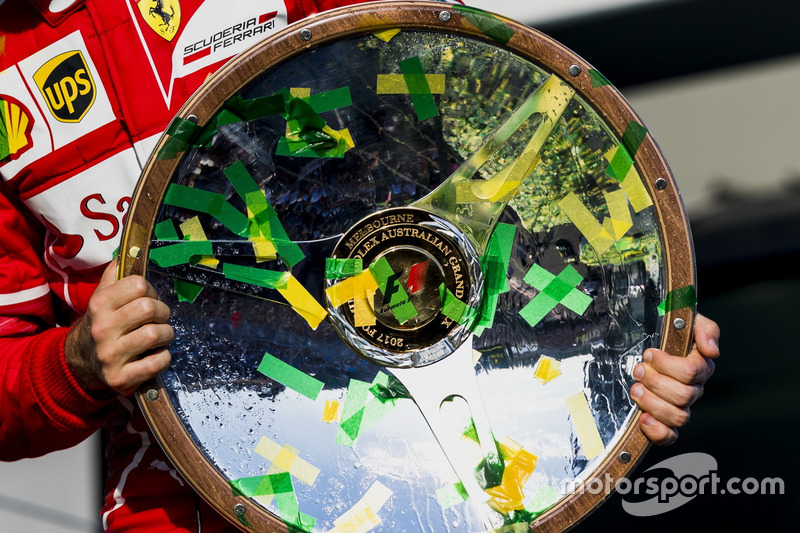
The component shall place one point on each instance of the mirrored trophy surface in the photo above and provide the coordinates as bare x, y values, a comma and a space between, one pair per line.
411, 268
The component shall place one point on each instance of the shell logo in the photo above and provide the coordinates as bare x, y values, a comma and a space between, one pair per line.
16, 124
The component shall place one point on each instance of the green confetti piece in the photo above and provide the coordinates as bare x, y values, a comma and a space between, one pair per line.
305, 135
289, 511
537, 309
180, 253
491, 470
270, 279
418, 88
266, 485
453, 308
330, 100
244, 184
264, 222
182, 133
487, 23
165, 231
324, 146
336, 268
554, 290
5, 147
494, 265
186, 290
500, 246
389, 285
246, 109
361, 409
622, 161
634, 136
544, 498
289, 376
678, 299
451, 495
243, 520
390, 390
597, 79
211, 203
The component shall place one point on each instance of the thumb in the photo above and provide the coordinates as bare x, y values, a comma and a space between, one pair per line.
109, 274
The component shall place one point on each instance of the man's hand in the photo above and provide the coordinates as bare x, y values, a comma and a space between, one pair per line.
669, 385
121, 340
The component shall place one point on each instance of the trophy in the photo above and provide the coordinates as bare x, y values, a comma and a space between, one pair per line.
413, 252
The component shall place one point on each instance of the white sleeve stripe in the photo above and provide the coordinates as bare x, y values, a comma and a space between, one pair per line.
28, 295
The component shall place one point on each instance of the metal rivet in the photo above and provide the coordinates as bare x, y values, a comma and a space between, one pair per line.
305, 34
192, 119
152, 395
624, 457
239, 509
574, 70
444, 16
661, 184
679, 323
134, 252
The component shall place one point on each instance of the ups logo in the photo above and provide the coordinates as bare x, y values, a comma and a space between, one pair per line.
67, 86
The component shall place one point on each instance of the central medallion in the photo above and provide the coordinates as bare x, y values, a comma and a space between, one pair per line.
415, 263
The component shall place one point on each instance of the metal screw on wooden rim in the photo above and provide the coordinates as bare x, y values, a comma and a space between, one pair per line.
239, 509
134, 252
444, 16
679, 323
192, 119
661, 184
575, 70
624, 457
152, 395
305, 34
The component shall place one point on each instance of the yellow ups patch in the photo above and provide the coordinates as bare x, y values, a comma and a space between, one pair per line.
67, 86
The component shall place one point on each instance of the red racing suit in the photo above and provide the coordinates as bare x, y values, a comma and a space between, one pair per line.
86, 88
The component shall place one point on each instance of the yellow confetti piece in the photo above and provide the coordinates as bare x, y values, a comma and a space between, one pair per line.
193, 229
547, 369
355, 287
286, 459
386, 35
370, 21
363, 315
264, 249
302, 302
362, 517
396, 84
300, 92
510, 447
508, 496
600, 236
632, 185
331, 412
585, 426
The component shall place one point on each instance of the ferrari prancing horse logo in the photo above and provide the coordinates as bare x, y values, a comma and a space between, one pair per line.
163, 16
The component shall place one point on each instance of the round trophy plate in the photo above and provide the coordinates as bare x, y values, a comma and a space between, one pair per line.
413, 252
